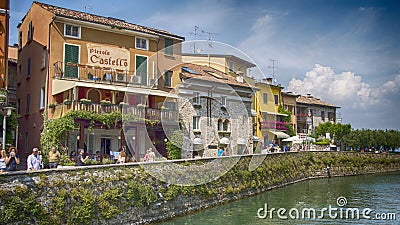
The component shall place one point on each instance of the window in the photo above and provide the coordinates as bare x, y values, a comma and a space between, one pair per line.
225, 125
170, 105
322, 115
142, 43
276, 98
28, 103
167, 78
169, 44
265, 98
196, 121
196, 98
223, 100
19, 106
231, 66
20, 40
72, 31
71, 56
44, 56
141, 68
41, 105
220, 125
28, 74
30, 31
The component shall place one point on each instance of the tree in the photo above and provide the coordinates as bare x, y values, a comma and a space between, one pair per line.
287, 119
174, 145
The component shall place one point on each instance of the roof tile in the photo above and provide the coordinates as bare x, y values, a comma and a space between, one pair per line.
113, 22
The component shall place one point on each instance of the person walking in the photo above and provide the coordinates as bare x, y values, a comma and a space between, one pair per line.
54, 158
33, 161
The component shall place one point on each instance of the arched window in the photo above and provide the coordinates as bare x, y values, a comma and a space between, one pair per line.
226, 125
220, 125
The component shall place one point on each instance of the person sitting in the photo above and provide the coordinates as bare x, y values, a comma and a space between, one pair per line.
80, 161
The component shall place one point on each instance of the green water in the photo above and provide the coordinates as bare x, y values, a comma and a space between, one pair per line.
380, 193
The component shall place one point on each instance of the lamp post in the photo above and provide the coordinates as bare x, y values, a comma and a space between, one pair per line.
309, 122
6, 111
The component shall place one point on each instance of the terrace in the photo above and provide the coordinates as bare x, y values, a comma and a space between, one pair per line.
138, 112
105, 75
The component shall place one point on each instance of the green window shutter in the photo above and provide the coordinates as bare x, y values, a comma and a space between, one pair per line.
141, 68
71, 55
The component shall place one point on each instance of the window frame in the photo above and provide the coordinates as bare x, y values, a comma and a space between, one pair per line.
168, 79
71, 35
29, 68
169, 50
196, 98
42, 98
28, 103
265, 97
147, 43
223, 101
196, 123
276, 99
231, 66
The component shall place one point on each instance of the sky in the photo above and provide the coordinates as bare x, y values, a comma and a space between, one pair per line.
344, 52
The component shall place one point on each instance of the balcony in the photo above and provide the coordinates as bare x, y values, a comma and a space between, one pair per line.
273, 125
152, 114
71, 71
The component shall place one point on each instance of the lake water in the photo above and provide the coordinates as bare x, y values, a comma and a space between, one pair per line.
374, 196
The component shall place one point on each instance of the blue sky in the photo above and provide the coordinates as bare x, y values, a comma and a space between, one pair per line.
344, 52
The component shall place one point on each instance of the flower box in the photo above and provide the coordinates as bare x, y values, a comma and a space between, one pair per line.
105, 103
67, 102
86, 101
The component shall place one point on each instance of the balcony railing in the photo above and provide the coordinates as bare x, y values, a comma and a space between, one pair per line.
101, 74
99, 108
273, 125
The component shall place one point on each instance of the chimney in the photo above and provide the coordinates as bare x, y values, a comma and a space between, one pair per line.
268, 80
309, 96
239, 77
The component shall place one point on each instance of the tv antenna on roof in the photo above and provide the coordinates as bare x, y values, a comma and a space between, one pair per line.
195, 33
87, 7
209, 40
273, 67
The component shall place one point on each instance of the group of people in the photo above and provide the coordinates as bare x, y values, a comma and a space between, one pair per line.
9, 162
35, 160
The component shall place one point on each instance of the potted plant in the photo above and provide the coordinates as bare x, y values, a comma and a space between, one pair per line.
123, 104
141, 106
67, 102
52, 106
3, 95
86, 101
105, 103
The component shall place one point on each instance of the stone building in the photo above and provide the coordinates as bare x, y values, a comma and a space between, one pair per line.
215, 110
315, 111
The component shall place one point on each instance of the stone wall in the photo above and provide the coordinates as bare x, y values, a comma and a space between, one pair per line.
128, 194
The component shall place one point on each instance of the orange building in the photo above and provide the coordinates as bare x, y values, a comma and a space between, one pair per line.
76, 61
4, 33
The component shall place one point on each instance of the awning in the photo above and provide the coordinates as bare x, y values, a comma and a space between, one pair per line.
256, 139
241, 141
224, 141
280, 134
60, 86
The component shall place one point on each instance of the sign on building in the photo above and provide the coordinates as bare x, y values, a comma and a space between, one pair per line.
107, 56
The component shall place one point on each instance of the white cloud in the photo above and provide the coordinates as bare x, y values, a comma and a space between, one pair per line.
345, 89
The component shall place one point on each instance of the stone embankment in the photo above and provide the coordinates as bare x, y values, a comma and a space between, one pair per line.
136, 193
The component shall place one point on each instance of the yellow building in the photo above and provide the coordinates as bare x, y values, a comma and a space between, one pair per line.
68, 59
269, 127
